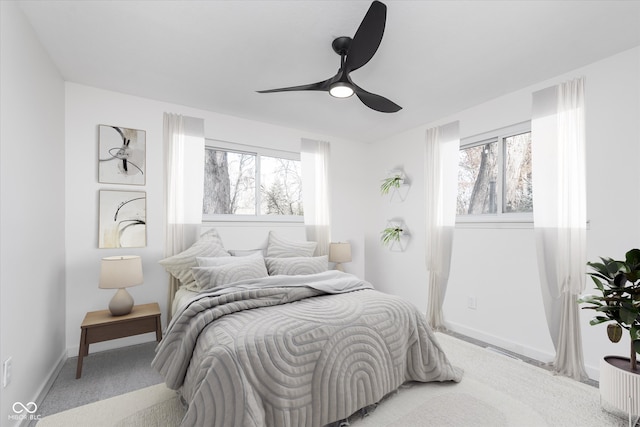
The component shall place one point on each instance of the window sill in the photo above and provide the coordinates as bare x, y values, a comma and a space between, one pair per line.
495, 224
495, 221
283, 219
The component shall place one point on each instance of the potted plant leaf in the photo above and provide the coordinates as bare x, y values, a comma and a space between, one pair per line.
395, 180
617, 303
391, 235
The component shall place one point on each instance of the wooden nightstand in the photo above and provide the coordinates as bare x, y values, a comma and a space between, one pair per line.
99, 326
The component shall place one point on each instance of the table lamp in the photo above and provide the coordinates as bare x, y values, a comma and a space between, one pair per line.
120, 272
340, 252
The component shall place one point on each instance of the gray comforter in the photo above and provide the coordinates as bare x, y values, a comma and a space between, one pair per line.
294, 351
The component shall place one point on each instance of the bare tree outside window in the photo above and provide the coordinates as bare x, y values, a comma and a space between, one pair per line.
281, 186
229, 183
232, 185
216, 182
477, 176
517, 177
494, 176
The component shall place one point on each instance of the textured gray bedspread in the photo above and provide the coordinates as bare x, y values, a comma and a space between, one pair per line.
295, 351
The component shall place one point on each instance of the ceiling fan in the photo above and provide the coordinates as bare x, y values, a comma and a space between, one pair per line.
354, 53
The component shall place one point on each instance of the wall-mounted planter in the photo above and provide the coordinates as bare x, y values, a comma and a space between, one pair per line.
395, 185
395, 236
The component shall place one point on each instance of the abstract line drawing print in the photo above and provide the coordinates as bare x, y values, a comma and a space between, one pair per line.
123, 222
121, 159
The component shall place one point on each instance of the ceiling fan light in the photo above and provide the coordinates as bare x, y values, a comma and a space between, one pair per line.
341, 90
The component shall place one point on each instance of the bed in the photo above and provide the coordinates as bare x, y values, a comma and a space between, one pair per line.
298, 346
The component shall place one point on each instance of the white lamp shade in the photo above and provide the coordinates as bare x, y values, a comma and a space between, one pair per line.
120, 272
340, 252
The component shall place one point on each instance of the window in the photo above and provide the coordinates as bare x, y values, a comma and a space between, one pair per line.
251, 182
494, 175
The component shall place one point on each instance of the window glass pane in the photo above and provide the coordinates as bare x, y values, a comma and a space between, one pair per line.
280, 186
477, 177
518, 196
229, 183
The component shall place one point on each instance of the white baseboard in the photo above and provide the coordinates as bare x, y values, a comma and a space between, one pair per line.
592, 371
46, 385
524, 350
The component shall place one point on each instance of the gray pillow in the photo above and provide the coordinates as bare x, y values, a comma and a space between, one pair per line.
246, 252
297, 265
279, 247
179, 265
217, 261
244, 268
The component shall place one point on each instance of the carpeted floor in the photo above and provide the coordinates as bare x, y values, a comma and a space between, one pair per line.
104, 374
496, 390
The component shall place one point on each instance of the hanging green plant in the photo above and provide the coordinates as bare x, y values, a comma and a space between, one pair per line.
390, 235
394, 181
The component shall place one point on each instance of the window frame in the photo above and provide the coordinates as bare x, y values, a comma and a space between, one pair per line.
499, 219
258, 152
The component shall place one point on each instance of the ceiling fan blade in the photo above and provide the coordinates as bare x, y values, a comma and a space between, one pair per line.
376, 102
313, 86
368, 37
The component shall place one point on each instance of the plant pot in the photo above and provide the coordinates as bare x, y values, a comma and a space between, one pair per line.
619, 387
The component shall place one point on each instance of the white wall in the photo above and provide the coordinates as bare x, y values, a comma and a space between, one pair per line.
86, 108
48, 211
498, 266
32, 168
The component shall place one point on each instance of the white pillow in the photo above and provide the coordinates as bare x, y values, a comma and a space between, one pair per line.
179, 265
216, 261
297, 265
246, 252
279, 247
212, 277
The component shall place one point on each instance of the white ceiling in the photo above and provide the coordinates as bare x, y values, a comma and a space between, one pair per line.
436, 57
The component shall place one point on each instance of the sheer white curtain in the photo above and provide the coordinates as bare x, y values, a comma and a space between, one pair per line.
184, 181
315, 192
442, 147
560, 215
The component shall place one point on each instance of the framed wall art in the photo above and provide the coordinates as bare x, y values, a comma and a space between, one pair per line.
122, 155
123, 219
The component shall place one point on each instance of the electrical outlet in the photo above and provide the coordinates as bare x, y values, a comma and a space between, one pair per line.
6, 372
472, 303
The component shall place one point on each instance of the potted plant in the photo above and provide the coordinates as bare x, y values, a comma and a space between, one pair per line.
618, 304
619, 299
391, 235
393, 181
